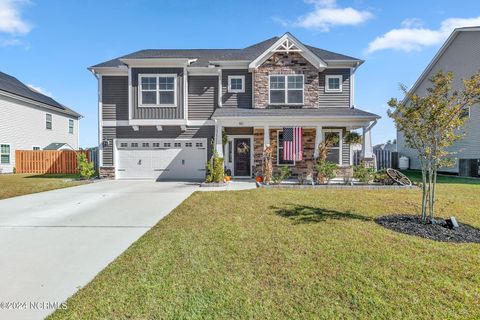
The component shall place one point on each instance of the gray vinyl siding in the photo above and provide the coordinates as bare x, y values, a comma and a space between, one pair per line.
335, 99
159, 112
345, 154
115, 98
462, 58
168, 132
202, 97
237, 100
109, 134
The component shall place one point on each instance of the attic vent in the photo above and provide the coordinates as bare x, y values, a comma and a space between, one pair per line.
287, 46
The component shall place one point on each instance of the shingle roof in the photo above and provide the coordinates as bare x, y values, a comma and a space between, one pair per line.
206, 55
14, 86
327, 112
56, 146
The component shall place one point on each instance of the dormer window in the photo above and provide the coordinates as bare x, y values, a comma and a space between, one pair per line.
286, 89
157, 90
236, 84
333, 83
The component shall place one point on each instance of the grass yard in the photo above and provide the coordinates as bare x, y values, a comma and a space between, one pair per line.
278, 254
12, 185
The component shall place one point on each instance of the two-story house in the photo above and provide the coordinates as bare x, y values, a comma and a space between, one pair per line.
30, 120
162, 113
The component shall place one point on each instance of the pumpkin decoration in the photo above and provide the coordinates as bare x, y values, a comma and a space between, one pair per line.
259, 179
227, 178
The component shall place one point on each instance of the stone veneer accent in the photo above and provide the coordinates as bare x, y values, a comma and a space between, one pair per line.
107, 172
283, 63
301, 167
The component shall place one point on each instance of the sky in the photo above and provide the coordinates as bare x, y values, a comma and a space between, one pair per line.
50, 44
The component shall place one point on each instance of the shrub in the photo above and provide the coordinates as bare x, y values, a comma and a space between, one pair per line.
215, 169
381, 177
283, 174
352, 138
326, 170
85, 167
363, 174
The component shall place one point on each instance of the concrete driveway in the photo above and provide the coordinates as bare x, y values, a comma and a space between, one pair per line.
53, 243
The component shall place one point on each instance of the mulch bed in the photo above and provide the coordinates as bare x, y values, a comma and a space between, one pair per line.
413, 225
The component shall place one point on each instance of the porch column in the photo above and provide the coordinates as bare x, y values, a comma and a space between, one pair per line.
318, 140
218, 139
367, 151
266, 136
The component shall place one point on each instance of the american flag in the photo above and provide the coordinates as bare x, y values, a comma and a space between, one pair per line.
292, 143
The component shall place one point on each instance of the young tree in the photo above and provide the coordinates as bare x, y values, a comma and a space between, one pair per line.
431, 124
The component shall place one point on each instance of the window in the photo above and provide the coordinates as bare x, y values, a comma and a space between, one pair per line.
335, 151
286, 89
145, 145
333, 83
280, 151
4, 154
156, 145
198, 144
236, 84
157, 90
188, 144
70, 126
36, 148
123, 145
230, 151
134, 145
48, 121
166, 145
177, 145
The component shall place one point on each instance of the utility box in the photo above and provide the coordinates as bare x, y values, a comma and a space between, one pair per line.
403, 163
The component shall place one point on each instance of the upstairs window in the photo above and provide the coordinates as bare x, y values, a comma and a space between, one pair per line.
286, 89
333, 83
236, 84
36, 148
70, 126
4, 154
48, 121
157, 90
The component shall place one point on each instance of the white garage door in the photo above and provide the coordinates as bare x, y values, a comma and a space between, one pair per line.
171, 159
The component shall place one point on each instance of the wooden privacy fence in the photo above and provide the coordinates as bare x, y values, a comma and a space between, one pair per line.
47, 161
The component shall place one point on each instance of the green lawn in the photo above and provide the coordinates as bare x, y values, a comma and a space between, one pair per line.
291, 254
12, 185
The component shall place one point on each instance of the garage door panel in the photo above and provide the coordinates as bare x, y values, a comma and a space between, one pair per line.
182, 163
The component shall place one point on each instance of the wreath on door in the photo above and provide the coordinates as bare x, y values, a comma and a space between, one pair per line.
243, 148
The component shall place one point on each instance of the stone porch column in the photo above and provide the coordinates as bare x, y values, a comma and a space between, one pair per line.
318, 140
266, 136
218, 139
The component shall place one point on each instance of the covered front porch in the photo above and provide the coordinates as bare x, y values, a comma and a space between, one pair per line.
241, 141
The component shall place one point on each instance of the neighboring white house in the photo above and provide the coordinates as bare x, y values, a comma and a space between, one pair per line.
30, 120
461, 55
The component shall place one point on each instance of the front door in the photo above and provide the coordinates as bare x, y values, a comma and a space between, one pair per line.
241, 149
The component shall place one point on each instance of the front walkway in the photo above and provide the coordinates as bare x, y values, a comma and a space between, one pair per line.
55, 242
234, 185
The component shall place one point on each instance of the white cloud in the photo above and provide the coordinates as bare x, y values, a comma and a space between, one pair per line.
11, 21
40, 90
327, 14
412, 37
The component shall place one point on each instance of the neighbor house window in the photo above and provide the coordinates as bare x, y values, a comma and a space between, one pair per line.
335, 152
280, 159
333, 83
157, 90
4, 154
36, 148
236, 84
48, 121
286, 89
70, 126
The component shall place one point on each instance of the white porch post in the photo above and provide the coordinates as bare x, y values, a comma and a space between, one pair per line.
367, 151
266, 136
218, 139
318, 140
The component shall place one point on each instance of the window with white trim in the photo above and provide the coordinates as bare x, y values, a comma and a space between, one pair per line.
4, 153
157, 90
167, 145
156, 145
48, 121
286, 89
123, 145
236, 84
188, 144
145, 145
134, 145
280, 160
70, 126
335, 152
36, 148
177, 144
333, 83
